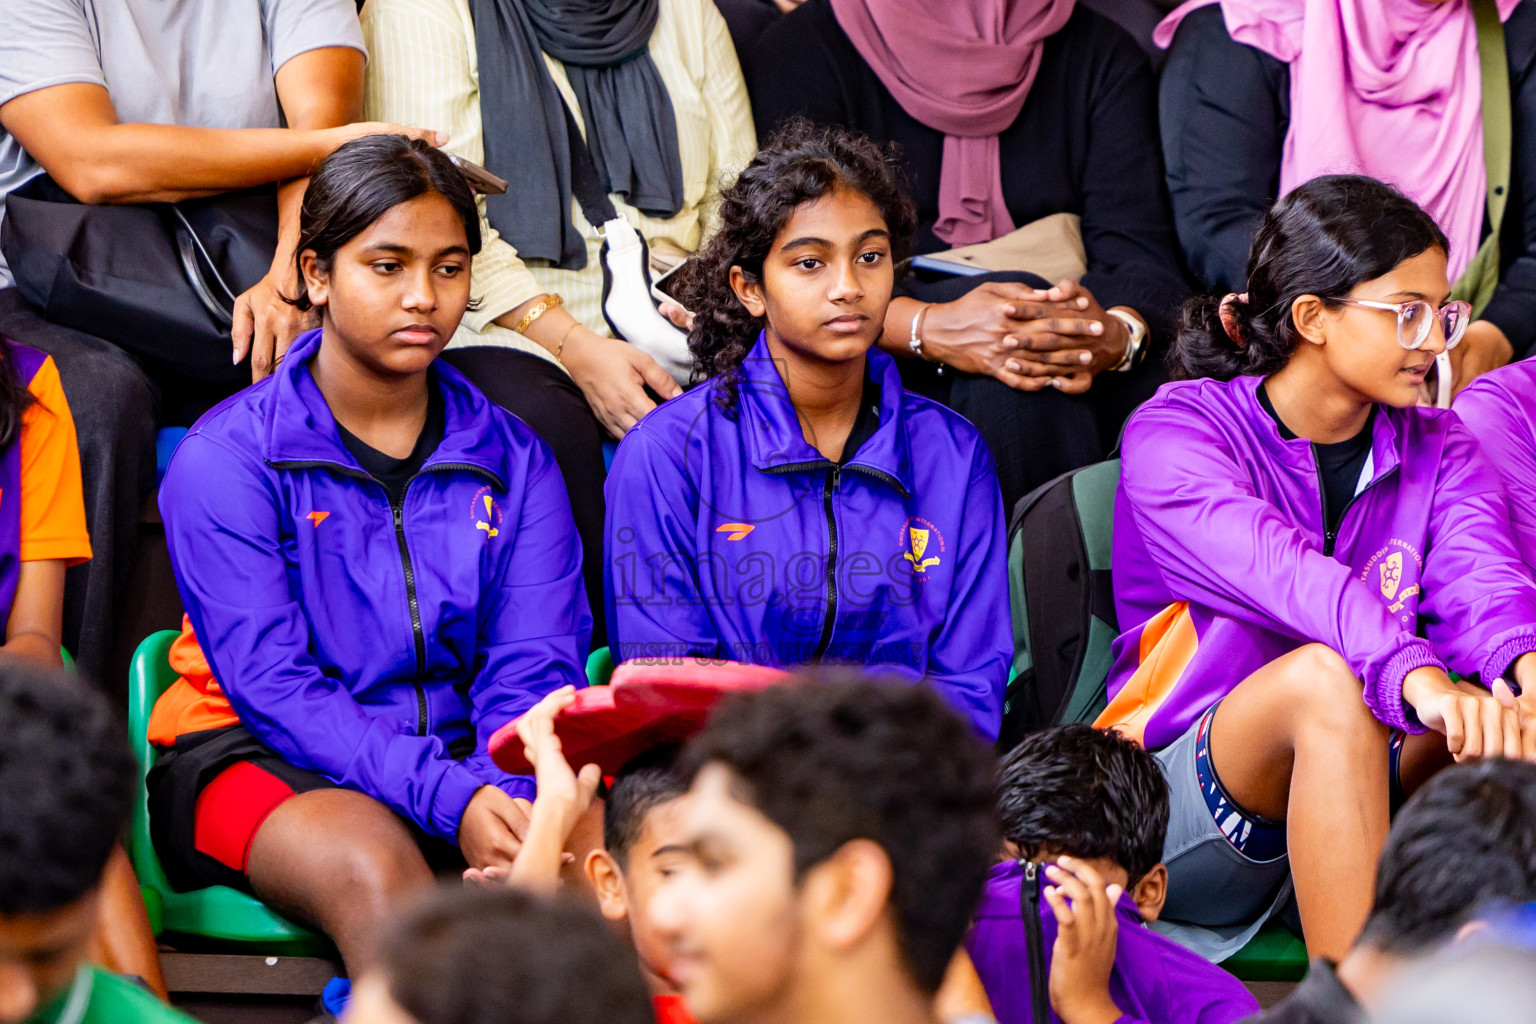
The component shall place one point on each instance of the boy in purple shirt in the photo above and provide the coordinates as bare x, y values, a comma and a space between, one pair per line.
1095, 804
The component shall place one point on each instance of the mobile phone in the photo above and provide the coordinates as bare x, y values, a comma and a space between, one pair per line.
663, 287
480, 179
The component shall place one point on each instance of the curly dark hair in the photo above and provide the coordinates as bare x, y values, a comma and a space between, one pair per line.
67, 778
798, 164
843, 757
1087, 793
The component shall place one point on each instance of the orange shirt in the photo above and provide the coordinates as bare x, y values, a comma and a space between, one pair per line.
194, 702
52, 505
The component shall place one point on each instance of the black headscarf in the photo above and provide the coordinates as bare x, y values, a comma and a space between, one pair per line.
631, 127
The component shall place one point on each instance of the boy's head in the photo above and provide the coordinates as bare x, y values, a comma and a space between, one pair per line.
471, 955
837, 834
1094, 795
1465, 842
66, 789
641, 848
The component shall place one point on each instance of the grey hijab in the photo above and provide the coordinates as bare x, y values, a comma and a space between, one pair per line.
631, 127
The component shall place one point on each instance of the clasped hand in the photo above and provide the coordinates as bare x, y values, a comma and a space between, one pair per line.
1027, 338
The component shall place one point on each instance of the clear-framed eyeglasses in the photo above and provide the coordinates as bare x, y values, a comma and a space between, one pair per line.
1414, 319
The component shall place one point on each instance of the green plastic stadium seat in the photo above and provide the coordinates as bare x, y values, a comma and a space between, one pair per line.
1273, 955
599, 667
217, 916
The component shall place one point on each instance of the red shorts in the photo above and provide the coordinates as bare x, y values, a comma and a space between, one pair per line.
208, 797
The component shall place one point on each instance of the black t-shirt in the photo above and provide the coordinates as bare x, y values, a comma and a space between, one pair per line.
1320, 999
1339, 464
395, 473
867, 422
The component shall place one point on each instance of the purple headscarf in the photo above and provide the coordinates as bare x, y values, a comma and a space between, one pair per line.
962, 67
1388, 88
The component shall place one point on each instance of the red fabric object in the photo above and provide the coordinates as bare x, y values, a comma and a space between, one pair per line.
231, 808
672, 1010
644, 706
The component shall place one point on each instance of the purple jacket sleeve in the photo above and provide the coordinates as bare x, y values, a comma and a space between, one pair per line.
222, 521
655, 607
534, 630
1479, 607
971, 651
1503, 425
1217, 543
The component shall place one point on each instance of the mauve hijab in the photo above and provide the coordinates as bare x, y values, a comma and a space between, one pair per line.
1388, 88
962, 67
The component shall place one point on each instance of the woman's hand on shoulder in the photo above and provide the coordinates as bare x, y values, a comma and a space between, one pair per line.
613, 375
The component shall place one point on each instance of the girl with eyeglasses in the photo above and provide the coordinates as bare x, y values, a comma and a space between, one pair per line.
1302, 557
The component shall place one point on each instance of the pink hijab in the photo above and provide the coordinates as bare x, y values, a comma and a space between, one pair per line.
1388, 88
962, 67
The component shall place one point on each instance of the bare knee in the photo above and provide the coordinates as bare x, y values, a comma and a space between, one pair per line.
1326, 701
377, 873
337, 855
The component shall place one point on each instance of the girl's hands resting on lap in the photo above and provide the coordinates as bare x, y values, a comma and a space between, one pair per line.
1475, 722
492, 829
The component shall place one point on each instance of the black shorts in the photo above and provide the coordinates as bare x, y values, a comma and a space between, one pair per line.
212, 792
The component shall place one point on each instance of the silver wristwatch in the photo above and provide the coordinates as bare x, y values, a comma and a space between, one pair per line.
1138, 332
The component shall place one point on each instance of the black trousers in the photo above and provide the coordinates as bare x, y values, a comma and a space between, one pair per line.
1034, 436
114, 406
543, 396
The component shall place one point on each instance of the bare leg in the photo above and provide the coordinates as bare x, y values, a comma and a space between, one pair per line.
123, 942
1295, 742
338, 860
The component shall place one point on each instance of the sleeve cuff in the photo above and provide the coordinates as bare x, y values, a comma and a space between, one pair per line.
518, 787
1386, 700
458, 787
1511, 647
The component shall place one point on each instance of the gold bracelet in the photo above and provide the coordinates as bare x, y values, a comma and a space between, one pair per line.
560, 346
546, 304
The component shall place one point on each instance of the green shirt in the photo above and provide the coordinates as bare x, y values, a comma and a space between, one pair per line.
97, 997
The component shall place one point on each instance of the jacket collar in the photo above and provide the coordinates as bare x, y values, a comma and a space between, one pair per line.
300, 428
777, 444
1386, 432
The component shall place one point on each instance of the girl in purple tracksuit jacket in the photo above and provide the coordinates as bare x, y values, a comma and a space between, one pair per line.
1500, 409
1301, 554
381, 568
801, 506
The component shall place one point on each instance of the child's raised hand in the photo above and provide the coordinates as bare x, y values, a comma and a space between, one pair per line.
1086, 934
558, 785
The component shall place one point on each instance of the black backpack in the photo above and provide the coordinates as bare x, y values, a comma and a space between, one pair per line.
1062, 601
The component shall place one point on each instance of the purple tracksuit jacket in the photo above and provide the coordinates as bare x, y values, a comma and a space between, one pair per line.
1500, 410
360, 639
1155, 980
1222, 561
729, 536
